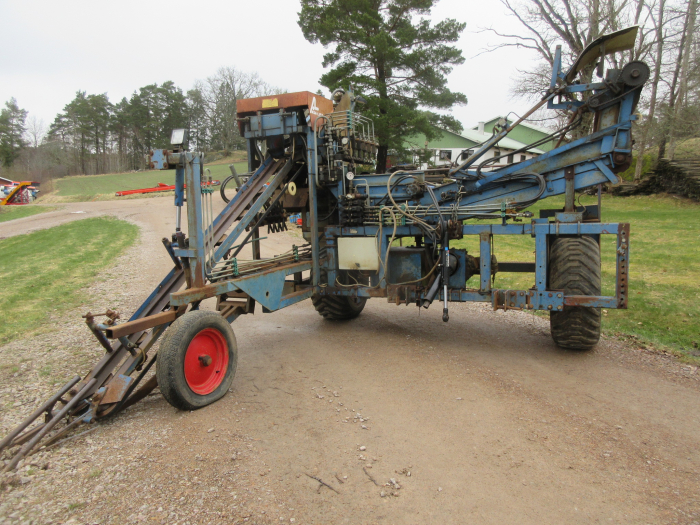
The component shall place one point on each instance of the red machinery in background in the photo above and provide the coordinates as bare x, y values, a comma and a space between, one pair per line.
161, 187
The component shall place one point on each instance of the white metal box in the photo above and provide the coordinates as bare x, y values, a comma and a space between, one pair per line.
358, 253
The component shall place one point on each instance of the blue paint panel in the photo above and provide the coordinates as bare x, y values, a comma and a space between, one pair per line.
159, 159
607, 144
404, 265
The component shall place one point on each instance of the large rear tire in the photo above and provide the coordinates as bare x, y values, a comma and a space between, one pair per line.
338, 307
574, 266
197, 360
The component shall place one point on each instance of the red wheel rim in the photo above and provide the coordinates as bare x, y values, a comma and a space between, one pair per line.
206, 361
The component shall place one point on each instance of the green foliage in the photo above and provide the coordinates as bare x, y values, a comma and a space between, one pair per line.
648, 165
85, 124
12, 129
44, 272
688, 149
90, 125
394, 57
156, 111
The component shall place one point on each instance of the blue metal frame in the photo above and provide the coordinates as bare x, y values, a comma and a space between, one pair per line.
539, 297
582, 163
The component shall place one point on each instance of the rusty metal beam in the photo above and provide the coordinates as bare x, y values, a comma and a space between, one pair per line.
138, 325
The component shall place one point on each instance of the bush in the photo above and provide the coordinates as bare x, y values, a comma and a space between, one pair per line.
648, 165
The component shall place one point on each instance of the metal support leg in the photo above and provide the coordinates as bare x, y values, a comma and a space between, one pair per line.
195, 227
570, 190
485, 258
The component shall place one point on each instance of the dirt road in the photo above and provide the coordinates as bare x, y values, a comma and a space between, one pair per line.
404, 418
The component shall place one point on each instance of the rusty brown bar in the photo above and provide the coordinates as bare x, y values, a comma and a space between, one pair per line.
143, 323
50, 402
622, 256
49, 425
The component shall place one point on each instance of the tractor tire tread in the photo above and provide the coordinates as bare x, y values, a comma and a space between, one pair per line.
336, 308
575, 268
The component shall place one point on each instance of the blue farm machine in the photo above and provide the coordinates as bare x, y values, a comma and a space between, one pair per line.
308, 155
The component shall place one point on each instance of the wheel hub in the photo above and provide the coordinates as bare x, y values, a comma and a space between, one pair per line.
206, 361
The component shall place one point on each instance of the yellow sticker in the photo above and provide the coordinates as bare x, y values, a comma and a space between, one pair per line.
270, 103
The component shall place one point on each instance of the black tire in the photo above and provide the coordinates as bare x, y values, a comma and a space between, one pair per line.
184, 378
338, 307
574, 266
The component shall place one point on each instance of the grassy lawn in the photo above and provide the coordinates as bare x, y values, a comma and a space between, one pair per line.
8, 213
89, 187
45, 271
664, 301
688, 149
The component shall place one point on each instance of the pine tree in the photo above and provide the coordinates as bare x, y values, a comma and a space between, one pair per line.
12, 129
394, 57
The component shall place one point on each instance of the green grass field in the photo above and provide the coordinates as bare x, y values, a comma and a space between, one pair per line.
8, 213
664, 300
46, 271
89, 187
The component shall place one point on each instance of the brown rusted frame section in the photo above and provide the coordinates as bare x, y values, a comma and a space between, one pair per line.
90, 321
27, 447
142, 392
623, 243
212, 290
47, 406
141, 324
401, 293
77, 421
333, 290
234, 303
114, 391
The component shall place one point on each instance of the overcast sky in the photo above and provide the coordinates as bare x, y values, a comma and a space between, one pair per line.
51, 49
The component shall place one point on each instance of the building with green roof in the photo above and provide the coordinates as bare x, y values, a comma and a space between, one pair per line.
452, 148
524, 132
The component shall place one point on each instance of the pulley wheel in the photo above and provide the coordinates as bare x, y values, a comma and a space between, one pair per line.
635, 73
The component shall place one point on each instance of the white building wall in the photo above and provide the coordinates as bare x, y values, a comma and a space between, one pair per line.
456, 157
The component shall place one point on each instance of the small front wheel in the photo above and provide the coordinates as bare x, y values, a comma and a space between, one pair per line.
197, 360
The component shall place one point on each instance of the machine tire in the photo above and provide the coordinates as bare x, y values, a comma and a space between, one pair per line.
574, 266
184, 377
337, 308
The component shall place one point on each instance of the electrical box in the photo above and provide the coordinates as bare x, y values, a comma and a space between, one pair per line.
358, 253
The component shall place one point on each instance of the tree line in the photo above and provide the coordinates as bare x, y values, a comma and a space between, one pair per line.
398, 58
94, 135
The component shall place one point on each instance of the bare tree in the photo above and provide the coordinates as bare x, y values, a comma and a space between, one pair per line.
691, 16
218, 95
658, 61
36, 131
575, 24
